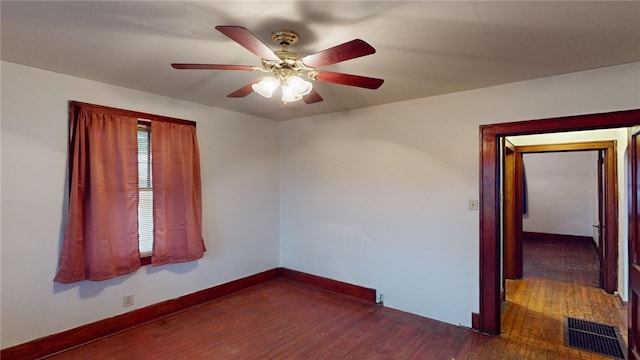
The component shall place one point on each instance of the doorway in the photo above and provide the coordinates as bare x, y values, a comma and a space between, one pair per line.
488, 319
559, 260
607, 203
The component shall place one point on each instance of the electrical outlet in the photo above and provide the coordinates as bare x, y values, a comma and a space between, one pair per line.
473, 204
127, 301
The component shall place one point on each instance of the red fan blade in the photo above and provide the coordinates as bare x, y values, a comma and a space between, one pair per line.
213, 67
347, 79
347, 51
249, 41
312, 97
243, 91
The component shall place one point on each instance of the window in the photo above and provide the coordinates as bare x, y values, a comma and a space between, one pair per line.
145, 185
117, 220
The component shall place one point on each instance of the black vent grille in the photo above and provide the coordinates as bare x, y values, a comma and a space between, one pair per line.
594, 337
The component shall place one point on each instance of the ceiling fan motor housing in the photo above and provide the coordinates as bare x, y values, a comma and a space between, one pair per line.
284, 37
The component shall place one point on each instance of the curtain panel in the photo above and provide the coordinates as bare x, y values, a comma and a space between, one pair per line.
177, 193
101, 238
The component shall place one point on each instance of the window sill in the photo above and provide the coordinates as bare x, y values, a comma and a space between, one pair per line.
145, 260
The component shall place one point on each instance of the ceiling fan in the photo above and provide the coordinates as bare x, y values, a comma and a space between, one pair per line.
289, 69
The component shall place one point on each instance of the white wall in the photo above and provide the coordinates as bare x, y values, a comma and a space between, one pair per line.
378, 196
239, 156
560, 188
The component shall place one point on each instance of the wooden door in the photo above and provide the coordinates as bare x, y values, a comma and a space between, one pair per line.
600, 226
634, 245
509, 204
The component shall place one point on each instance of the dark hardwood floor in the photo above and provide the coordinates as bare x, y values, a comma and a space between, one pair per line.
283, 319
571, 261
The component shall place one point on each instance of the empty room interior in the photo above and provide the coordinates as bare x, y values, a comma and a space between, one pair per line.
453, 179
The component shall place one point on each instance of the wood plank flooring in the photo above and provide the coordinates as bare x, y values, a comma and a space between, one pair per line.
282, 319
560, 279
571, 261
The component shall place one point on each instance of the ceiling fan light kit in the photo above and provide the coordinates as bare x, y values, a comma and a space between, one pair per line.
266, 86
294, 88
288, 68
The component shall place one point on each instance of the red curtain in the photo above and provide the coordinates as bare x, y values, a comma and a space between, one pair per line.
101, 239
177, 194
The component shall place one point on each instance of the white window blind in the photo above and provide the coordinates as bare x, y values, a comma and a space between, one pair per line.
145, 204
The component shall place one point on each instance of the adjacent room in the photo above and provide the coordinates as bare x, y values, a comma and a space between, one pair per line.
356, 209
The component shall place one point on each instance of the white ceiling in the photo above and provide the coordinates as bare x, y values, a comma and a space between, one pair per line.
424, 48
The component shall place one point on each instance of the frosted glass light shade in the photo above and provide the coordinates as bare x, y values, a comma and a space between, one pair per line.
266, 86
295, 88
288, 95
299, 86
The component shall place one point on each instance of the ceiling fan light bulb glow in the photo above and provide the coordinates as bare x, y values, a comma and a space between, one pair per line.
299, 86
266, 86
289, 95
294, 89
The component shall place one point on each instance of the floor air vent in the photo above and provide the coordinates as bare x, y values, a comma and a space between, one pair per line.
594, 337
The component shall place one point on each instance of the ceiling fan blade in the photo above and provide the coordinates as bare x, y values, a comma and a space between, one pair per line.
346, 51
214, 67
243, 91
347, 79
312, 97
249, 41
